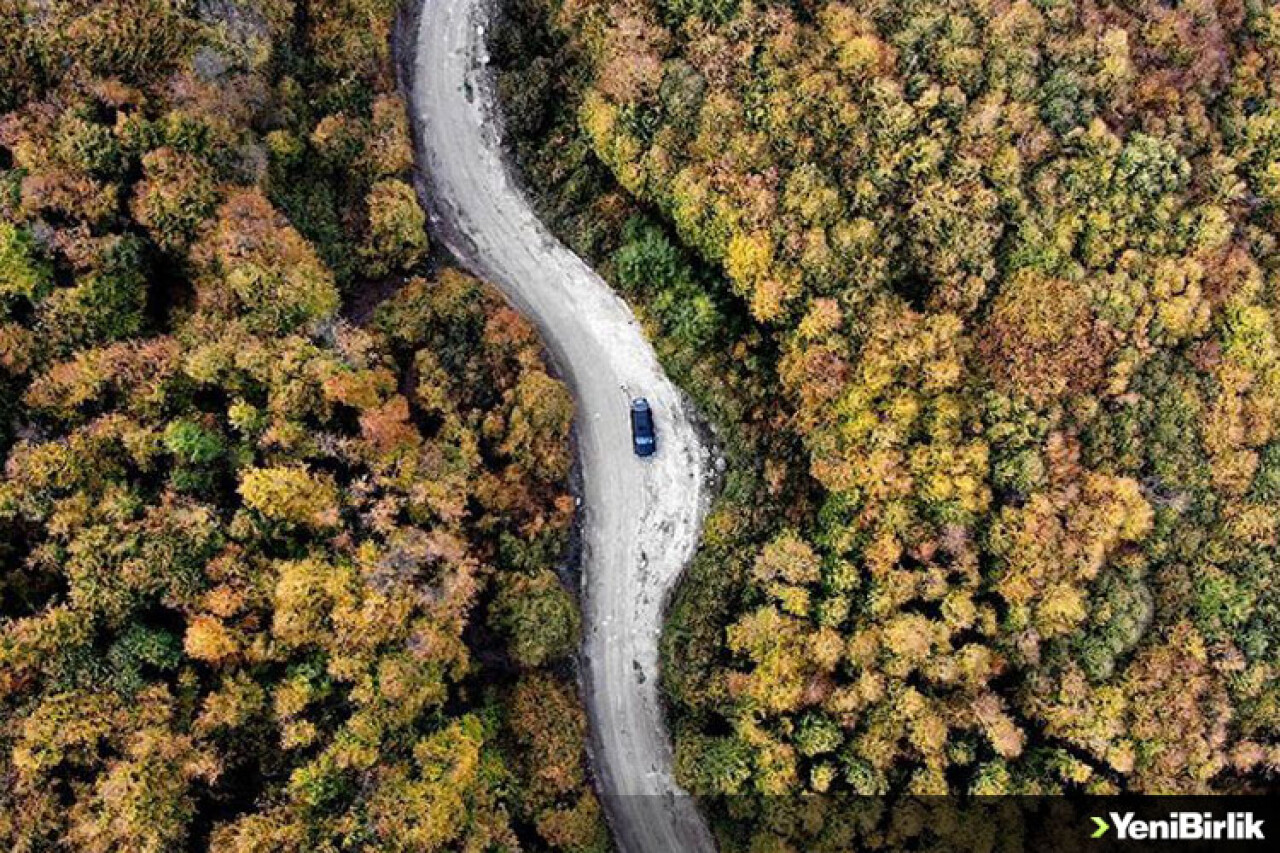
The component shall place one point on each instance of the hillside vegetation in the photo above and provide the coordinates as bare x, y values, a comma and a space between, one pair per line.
984, 296
271, 579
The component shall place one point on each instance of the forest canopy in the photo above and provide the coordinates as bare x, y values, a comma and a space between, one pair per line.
277, 554
984, 297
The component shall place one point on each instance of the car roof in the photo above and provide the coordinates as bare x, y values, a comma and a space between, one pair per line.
640, 404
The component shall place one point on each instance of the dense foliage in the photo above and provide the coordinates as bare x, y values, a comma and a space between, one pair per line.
999, 280
270, 579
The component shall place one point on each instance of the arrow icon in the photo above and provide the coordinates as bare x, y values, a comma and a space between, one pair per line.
1103, 826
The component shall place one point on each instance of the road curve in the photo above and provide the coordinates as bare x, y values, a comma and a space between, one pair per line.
640, 519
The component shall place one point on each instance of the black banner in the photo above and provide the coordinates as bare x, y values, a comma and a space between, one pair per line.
1005, 824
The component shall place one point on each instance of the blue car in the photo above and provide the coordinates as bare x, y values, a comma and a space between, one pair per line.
643, 437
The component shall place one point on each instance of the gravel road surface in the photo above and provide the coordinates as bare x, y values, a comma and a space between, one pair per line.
640, 517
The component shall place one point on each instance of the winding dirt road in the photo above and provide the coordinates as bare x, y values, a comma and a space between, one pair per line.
640, 518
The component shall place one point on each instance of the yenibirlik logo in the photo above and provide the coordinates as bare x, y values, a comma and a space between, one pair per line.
1182, 826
